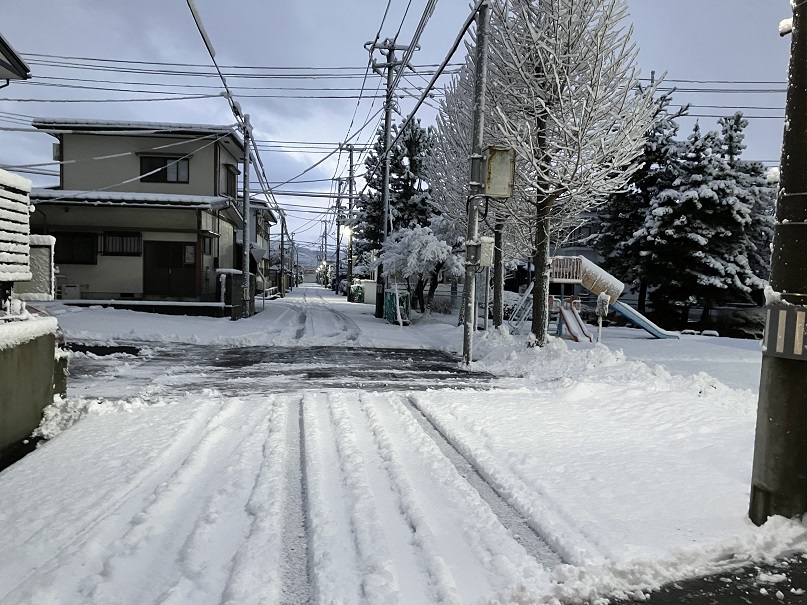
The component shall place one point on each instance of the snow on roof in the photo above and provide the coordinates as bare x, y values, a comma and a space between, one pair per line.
18, 332
77, 124
56, 126
128, 198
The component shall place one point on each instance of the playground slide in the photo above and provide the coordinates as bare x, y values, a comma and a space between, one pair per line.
575, 324
640, 320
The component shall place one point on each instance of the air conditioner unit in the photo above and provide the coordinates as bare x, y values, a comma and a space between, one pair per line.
71, 291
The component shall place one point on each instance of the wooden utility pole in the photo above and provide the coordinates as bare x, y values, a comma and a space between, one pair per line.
779, 480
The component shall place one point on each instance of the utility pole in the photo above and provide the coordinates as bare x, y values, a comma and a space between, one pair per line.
282, 256
350, 185
246, 307
472, 244
498, 271
291, 262
325, 250
338, 234
779, 480
387, 48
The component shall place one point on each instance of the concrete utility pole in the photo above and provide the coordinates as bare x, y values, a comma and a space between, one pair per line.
350, 185
387, 48
476, 196
282, 256
779, 481
338, 233
291, 262
325, 251
246, 310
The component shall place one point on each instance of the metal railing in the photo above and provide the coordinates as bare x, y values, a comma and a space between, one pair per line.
566, 270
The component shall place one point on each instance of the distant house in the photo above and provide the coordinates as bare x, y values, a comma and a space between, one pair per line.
144, 211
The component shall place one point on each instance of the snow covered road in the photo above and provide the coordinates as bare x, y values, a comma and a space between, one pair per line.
284, 459
334, 496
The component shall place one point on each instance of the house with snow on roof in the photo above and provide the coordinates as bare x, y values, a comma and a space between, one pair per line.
145, 212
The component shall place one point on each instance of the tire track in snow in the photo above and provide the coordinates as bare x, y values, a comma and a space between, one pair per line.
108, 507
515, 523
294, 566
335, 573
471, 543
380, 584
224, 522
546, 518
257, 571
147, 549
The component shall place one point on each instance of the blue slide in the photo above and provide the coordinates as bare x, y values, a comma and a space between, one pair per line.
633, 316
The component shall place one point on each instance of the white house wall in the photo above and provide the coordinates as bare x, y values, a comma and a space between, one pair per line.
111, 277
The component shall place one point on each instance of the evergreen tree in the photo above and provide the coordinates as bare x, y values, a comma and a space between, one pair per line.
367, 226
695, 232
409, 198
755, 191
620, 238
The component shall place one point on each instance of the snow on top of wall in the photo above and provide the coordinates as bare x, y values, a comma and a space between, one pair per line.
15, 181
42, 240
16, 333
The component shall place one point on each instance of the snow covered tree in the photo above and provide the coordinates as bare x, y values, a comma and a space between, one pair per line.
619, 238
695, 232
754, 190
410, 201
417, 254
564, 79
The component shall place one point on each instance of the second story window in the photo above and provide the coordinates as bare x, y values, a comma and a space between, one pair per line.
231, 185
163, 169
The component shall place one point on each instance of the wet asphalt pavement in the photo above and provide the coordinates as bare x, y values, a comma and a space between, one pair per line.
244, 370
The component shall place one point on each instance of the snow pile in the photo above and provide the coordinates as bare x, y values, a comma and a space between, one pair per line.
64, 413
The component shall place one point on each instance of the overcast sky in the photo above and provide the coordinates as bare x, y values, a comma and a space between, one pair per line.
725, 46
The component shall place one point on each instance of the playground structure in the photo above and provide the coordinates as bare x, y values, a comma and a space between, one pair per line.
580, 270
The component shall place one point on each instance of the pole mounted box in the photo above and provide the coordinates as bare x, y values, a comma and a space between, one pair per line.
499, 171
486, 251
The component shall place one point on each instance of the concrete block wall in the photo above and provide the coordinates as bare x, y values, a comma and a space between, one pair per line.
26, 387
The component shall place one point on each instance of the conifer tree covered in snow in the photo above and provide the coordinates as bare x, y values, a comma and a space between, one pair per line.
409, 197
620, 238
696, 232
755, 191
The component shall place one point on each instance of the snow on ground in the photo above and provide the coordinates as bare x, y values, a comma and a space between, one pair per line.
308, 316
631, 460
